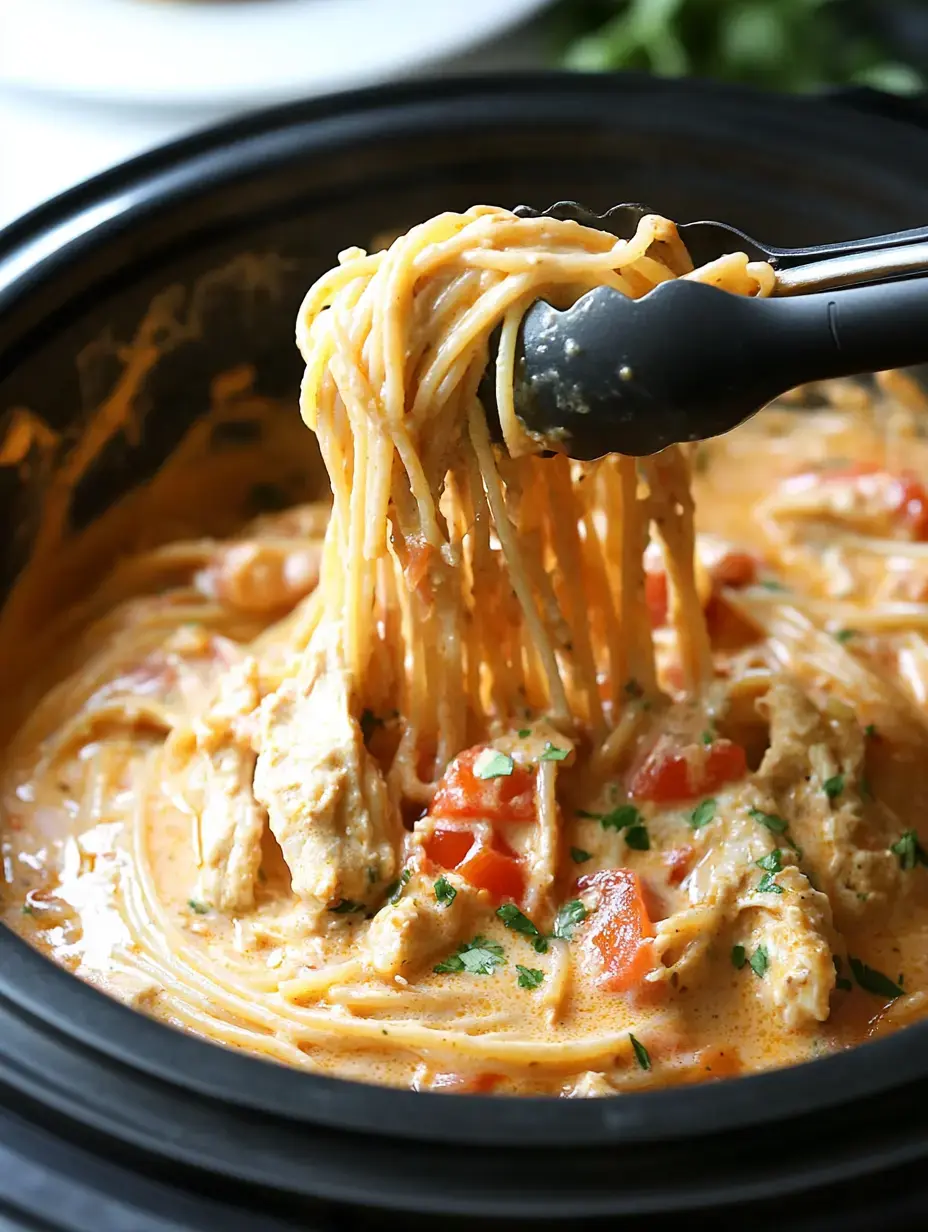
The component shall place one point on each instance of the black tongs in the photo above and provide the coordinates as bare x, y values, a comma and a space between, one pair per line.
688, 361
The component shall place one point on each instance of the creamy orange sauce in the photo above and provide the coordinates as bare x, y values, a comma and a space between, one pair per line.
100, 845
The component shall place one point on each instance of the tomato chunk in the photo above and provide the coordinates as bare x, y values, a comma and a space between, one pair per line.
678, 860
672, 773
880, 495
734, 569
656, 597
462, 794
448, 848
501, 875
619, 928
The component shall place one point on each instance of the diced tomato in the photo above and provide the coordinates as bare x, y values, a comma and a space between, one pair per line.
656, 597
671, 773
902, 494
501, 875
619, 928
466, 1084
678, 861
914, 506
461, 794
447, 848
734, 569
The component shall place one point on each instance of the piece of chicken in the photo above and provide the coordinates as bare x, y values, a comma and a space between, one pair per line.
409, 933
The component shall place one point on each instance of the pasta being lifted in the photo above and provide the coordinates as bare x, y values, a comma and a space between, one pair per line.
497, 776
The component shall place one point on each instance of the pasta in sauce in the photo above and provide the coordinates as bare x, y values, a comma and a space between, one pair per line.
496, 774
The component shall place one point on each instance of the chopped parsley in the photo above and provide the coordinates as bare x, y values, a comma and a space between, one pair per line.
845, 635
28, 909
834, 786
871, 980
767, 885
569, 915
395, 888
738, 956
772, 584
552, 753
620, 818
579, 856
702, 814
445, 893
492, 764
515, 919
772, 862
707, 736
637, 838
200, 908
759, 961
841, 980
909, 850
347, 906
524, 733
641, 1053
477, 957
774, 823
529, 977
870, 731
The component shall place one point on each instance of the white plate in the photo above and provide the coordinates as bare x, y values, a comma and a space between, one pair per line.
241, 52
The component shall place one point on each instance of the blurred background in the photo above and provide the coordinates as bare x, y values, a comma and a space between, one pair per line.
87, 83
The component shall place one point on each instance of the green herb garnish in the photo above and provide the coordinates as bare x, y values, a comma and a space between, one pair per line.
552, 753
845, 635
871, 980
702, 814
770, 820
909, 850
738, 956
707, 736
445, 893
477, 957
569, 915
841, 981
524, 733
579, 856
395, 888
637, 838
492, 764
200, 908
834, 786
529, 977
767, 885
347, 906
772, 862
759, 961
870, 731
620, 818
515, 919
641, 1053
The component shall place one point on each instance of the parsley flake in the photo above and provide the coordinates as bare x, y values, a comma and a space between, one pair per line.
477, 957
772, 584
702, 814
200, 908
620, 818
841, 980
738, 956
767, 885
445, 893
552, 753
524, 733
579, 856
845, 635
347, 906
492, 764
637, 838
395, 888
641, 1053
909, 850
871, 980
569, 915
870, 731
707, 736
770, 820
772, 862
515, 919
759, 961
529, 977
834, 786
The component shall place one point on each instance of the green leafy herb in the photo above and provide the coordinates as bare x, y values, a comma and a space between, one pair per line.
909, 850
492, 764
552, 753
529, 977
569, 915
620, 818
445, 893
707, 736
772, 862
767, 885
834, 786
702, 814
513, 918
795, 846
772, 584
871, 980
200, 908
641, 1053
870, 731
637, 838
524, 733
395, 888
841, 981
347, 906
845, 635
738, 956
770, 820
28, 909
369, 724
477, 957
759, 961
579, 856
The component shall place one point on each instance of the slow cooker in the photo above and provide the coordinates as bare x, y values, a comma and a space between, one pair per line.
111, 1121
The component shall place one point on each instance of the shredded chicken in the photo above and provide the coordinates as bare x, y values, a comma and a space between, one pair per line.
407, 934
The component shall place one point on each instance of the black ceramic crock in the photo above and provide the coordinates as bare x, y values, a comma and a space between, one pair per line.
110, 1122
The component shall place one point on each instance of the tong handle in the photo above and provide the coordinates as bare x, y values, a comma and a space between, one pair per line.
790, 258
